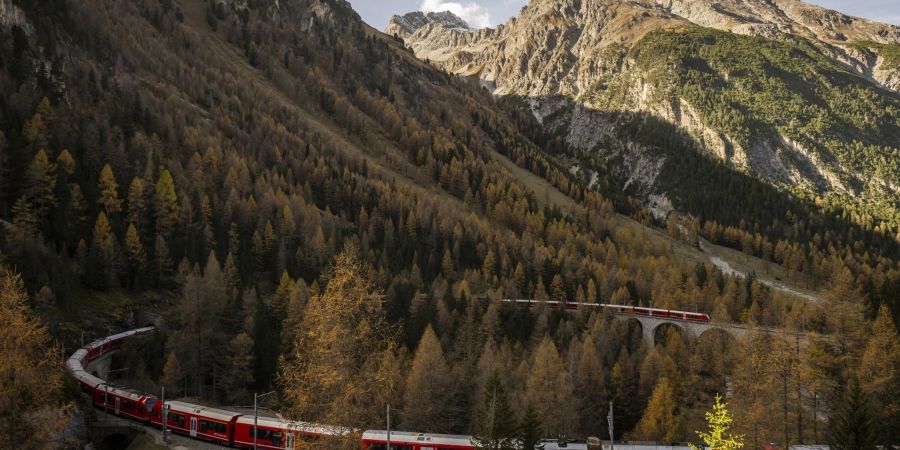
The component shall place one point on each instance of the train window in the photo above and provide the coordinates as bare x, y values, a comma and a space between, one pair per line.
177, 418
129, 404
276, 438
203, 426
264, 434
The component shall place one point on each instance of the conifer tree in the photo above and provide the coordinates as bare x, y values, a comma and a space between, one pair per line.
326, 378
530, 431
165, 204
238, 377
137, 258
590, 388
109, 192
549, 390
162, 263
104, 240
65, 163
198, 332
429, 397
718, 436
172, 375
30, 369
40, 182
495, 428
282, 294
136, 203
661, 421
879, 375
851, 426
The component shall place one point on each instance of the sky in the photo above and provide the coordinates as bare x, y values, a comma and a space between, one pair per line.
485, 13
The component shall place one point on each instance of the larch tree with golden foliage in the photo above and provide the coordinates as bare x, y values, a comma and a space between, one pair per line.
550, 391
332, 375
660, 421
30, 374
719, 421
429, 394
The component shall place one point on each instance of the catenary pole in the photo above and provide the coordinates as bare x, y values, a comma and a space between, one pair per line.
165, 415
609, 418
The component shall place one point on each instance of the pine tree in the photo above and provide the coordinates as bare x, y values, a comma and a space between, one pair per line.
162, 263
104, 239
136, 203
109, 192
173, 375
40, 182
282, 294
851, 426
557, 289
718, 437
137, 258
530, 431
238, 377
879, 375
549, 390
165, 204
661, 421
104, 265
495, 428
65, 163
429, 397
198, 332
590, 389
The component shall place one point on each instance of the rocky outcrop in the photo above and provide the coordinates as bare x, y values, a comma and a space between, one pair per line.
409, 23
11, 15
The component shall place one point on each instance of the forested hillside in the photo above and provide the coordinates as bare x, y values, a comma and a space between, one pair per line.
209, 160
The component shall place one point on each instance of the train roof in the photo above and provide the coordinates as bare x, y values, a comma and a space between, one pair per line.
554, 445
199, 410
302, 427
592, 305
76, 361
403, 437
118, 336
120, 391
89, 379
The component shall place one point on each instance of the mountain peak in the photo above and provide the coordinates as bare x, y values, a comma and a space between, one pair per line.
410, 22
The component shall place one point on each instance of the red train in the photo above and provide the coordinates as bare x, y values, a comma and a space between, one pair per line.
621, 309
221, 426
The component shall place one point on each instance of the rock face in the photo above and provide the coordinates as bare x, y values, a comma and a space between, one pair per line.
407, 24
557, 52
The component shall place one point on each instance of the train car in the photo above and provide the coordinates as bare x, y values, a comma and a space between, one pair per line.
103, 346
200, 422
124, 402
404, 440
75, 364
274, 433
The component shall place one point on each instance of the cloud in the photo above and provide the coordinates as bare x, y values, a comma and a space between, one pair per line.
476, 15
